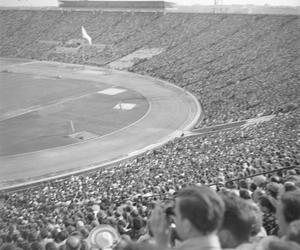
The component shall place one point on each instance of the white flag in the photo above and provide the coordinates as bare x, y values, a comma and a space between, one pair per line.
85, 35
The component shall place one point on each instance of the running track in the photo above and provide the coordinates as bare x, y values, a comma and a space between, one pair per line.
171, 111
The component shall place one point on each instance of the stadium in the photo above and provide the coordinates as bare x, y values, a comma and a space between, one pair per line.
115, 113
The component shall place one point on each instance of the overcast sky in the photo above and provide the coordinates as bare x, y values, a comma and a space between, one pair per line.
181, 2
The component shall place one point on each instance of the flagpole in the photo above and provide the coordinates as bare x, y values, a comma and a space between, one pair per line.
72, 126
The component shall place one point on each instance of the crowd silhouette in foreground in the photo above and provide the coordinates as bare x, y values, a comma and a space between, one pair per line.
197, 217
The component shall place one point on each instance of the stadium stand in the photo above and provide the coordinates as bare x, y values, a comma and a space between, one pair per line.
248, 63
238, 66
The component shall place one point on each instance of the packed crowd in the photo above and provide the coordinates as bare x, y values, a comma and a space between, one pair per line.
239, 66
260, 214
126, 193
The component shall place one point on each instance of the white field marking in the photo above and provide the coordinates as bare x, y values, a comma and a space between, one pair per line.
20, 112
92, 72
44, 77
72, 126
125, 106
111, 91
49, 150
83, 136
16, 64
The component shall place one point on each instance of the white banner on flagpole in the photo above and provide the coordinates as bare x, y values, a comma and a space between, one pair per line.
85, 35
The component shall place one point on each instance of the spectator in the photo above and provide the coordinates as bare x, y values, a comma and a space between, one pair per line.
288, 210
36, 246
289, 186
44, 237
277, 244
199, 214
8, 246
293, 233
139, 246
61, 238
73, 243
273, 189
51, 246
239, 220
245, 194
268, 205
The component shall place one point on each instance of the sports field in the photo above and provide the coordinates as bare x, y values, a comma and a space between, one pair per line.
39, 112
58, 119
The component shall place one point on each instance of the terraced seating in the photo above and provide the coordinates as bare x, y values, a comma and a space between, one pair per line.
238, 66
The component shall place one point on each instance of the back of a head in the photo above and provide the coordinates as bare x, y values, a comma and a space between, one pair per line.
84, 233
203, 207
289, 186
62, 235
280, 244
51, 246
273, 189
268, 202
293, 233
36, 246
238, 223
245, 194
73, 243
25, 245
139, 246
44, 233
291, 205
8, 246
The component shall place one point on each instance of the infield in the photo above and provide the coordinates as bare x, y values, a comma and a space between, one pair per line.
37, 112
102, 115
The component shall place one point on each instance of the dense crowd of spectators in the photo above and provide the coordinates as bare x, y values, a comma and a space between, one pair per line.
238, 66
126, 193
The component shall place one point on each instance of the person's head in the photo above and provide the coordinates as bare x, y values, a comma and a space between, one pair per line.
8, 246
25, 245
278, 244
73, 243
243, 184
32, 236
84, 232
62, 235
198, 211
275, 179
288, 210
44, 233
259, 180
239, 220
289, 186
273, 189
12, 228
252, 187
293, 232
51, 246
138, 246
245, 194
257, 194
267, 204
36, 246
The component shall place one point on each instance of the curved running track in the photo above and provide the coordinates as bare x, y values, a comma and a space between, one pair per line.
172, 110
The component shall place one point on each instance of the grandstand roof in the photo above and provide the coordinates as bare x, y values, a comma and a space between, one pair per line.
133, 4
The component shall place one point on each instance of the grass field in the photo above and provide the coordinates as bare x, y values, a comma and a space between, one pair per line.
35, 111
